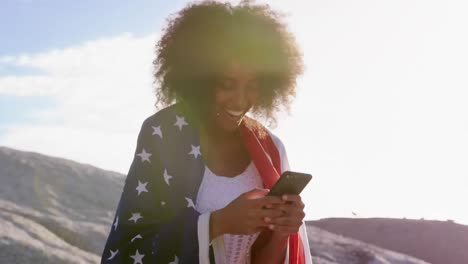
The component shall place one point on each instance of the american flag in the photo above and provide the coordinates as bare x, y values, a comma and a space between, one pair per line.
156, 218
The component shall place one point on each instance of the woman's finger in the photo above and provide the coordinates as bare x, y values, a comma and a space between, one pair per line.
268, 201
285, 207
290, 210
295, 199
271, 213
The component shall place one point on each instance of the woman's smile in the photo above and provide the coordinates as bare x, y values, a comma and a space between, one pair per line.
235, 113
232, 116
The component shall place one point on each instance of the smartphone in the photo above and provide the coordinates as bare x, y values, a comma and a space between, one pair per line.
290, 182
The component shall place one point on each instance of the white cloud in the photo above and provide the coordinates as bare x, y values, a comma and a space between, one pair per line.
103, 91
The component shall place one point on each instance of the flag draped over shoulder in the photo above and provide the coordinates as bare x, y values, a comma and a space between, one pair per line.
156, 217
267, 159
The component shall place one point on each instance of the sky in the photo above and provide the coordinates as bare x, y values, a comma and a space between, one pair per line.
380, 117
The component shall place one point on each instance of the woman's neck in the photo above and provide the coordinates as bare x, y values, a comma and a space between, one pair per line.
223, 152
215, 135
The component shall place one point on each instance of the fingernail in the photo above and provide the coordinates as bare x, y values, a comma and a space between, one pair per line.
285, 197
267, 219
271, 227
269, 206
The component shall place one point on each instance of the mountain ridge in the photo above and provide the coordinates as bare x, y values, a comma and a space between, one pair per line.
53, 208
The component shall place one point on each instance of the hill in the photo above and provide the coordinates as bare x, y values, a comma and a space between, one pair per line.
54, 210
438, 242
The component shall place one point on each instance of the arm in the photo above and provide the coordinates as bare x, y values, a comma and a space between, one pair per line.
145, 225
269, 248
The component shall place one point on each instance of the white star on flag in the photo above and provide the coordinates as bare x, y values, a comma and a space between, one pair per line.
137, 258
141, 187
144, 156
195, 151
157, 131
180, 122
167, 177
176, 260
163, 203
136, 237
135, 217
113, 253
116, 222
189, 202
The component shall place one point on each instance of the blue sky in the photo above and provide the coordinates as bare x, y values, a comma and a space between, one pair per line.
38, 25
43, 25
19, 109
379, 118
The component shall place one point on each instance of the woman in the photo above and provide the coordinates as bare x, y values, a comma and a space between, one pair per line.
195, 190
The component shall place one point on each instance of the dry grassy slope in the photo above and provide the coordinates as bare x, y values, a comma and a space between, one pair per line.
54, 204
434, 241
331, 248
54, 210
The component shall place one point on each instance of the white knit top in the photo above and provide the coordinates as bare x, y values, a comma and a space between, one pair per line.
218, 191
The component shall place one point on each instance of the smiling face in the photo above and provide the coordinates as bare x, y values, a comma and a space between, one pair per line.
235, 93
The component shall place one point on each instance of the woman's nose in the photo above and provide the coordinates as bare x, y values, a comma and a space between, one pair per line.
241, 100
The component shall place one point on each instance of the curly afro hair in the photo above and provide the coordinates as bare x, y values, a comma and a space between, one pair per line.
201, 40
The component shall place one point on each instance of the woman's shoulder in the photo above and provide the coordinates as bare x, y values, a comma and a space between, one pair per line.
276, 139
278, 144
163, 115
262, 131
281, 150
175, 115
170, 124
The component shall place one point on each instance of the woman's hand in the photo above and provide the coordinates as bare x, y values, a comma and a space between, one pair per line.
293, 215
246, 214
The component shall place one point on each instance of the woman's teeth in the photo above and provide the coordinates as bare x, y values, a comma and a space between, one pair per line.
234, 113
